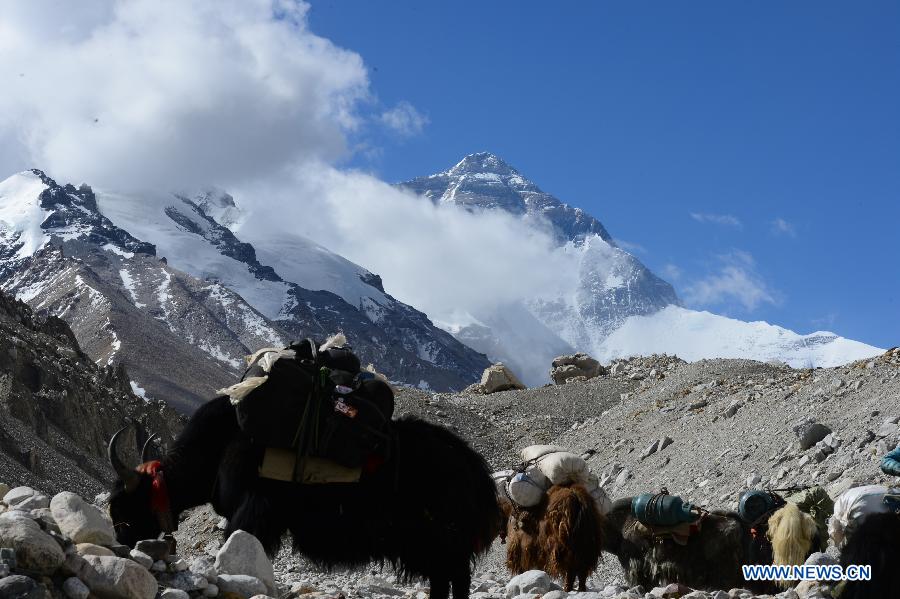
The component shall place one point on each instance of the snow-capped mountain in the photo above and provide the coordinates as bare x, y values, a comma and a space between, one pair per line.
155, 281
616, 307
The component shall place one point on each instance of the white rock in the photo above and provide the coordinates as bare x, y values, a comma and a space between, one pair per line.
179, 565
532, 581
651, 449
81, 521
142, 558
242, 553
117, 578
17, 495
35, 550
240, 584
174, 594
158, 566
204, 567
83, 549
35, 502
75, 589
211, 591
498, 377
185, 581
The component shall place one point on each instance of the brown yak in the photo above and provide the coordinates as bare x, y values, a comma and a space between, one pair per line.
561, 535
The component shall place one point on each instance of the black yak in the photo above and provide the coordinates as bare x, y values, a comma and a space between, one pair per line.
874, 542
428, 509
711, 557
561, 535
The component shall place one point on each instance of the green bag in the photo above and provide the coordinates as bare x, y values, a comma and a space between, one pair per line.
816, 502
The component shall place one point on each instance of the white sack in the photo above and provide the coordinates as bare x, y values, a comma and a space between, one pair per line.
854, 505
563, 467
527, 488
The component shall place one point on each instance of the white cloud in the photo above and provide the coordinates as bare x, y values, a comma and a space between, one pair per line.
717, 219
783, 227
439, 258
166, 94
735, 280
144, 93
404, 120
671, 272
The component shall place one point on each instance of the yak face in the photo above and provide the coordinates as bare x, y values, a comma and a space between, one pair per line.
130, 501
130, 511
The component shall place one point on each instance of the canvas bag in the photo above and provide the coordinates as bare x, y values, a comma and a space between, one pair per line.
319, 404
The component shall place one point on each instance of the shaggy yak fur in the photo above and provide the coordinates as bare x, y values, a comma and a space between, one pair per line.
429, 510
876, 542
712, 557
561, 535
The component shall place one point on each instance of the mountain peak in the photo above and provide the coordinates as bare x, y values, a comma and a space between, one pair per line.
482, 162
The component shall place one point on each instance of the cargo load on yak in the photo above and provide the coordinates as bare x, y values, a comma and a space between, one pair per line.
318, 415
542, 467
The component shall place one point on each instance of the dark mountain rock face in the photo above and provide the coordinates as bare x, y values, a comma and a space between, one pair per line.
58, 409
75, 213
483, 181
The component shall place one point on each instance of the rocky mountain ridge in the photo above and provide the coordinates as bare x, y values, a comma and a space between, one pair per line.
183, 308
58, 409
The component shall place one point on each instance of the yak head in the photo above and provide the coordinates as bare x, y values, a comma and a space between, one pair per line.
130, 500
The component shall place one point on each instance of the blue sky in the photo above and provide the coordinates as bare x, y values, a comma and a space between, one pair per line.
747, 152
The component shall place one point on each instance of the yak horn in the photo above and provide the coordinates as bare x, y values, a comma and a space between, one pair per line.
129, 477
145, 452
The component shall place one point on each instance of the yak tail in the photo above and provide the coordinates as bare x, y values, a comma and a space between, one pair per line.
791, 532
571, 528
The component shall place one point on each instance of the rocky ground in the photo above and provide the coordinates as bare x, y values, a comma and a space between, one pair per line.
706, 431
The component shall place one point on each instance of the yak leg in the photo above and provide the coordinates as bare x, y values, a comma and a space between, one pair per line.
440, 588
570, 582
255, 515
461, 583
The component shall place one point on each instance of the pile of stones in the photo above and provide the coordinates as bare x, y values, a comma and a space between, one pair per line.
66, 547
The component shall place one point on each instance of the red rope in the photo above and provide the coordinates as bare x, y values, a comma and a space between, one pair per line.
159, 496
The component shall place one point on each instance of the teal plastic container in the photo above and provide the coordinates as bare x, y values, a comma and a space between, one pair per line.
662, 510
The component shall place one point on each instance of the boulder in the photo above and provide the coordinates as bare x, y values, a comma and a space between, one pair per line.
117, 578
497, 377
204, 567
185, 581
75, 589
810, 433
83, 549
532, 581
20, 587
565, 369
157, 549
36, 551
174, 594
240, 585
242, 553
17, 495
35, 502
81, 521
142, 558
